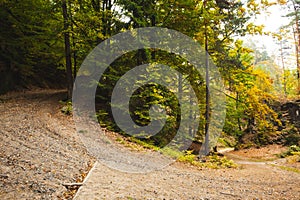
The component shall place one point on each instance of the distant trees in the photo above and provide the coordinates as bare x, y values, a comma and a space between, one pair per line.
294, 15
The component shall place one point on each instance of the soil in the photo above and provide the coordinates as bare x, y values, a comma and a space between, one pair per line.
40, 152
39, 148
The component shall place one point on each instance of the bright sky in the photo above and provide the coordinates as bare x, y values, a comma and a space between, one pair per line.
273, 20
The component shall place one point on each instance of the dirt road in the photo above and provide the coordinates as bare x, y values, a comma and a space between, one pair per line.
40, 150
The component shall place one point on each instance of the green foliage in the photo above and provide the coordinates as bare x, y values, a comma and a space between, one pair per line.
217, 162
67, 108
227, 141
292, 150
211, 161
31, 40
147, 145
171, 152
291, 135
30, 49
187, 157
249, 118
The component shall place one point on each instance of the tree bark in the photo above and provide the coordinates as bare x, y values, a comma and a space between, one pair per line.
67, 50
297, 40
207, 100
283, 68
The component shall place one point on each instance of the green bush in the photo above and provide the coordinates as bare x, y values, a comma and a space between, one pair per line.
187, 157
211, 161
293, 150
67, 108
217, 162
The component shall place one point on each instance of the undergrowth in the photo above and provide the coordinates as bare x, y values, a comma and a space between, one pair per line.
291, 169
213, 161
292, 154
67, 108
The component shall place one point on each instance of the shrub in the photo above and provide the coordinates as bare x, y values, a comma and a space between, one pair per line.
67, 108
293, 150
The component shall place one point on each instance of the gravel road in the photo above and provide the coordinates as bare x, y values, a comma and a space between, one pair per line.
40, 150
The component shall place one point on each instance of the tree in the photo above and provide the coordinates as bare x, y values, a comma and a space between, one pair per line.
67, 49
295, 20
296, 30
30, 48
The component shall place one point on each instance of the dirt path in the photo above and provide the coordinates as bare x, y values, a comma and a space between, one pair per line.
253, 180
39, 150
185, 182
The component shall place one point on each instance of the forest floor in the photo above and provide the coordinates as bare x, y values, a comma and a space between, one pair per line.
40, 152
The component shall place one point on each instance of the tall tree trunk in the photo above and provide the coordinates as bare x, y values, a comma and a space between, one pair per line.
283, 68
297, 53
67, 50
297, 46
207, 100
237, 108
297, 40
73, 41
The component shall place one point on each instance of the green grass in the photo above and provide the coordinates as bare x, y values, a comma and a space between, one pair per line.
217, 162
144, 144
171, 152
211, 161
291, 169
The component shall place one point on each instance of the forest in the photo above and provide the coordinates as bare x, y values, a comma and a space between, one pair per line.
43, 44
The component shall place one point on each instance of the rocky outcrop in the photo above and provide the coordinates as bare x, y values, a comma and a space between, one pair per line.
291, 113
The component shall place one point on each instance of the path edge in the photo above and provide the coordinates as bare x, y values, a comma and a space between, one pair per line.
76, 197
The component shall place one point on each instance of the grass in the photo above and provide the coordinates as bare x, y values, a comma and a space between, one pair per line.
217, 162
144, 144
291, 169
171, 152
211, 161
262, 159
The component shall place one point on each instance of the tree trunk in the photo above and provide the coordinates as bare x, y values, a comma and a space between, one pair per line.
67, 50
207, 100
297, 53
237, 108
297, 40
283, 68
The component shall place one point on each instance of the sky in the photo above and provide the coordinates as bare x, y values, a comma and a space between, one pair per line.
273, 20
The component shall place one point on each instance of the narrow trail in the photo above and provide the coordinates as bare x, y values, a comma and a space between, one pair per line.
40, 150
